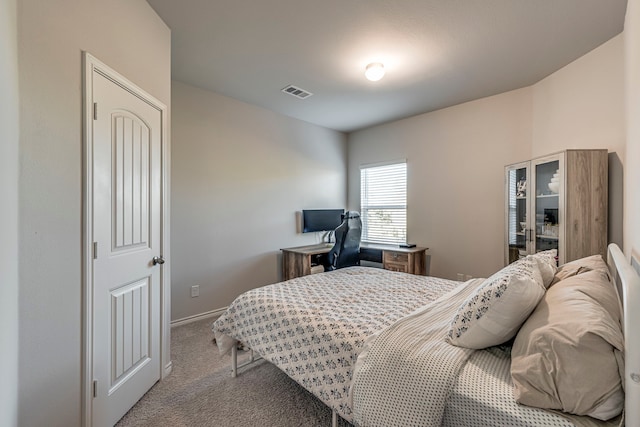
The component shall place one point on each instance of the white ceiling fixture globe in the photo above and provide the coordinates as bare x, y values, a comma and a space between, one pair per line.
374, 71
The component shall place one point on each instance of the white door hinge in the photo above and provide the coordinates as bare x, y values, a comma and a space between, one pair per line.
95, 111
95, 250
95, 388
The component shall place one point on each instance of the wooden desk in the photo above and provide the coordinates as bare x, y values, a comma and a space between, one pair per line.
299, 260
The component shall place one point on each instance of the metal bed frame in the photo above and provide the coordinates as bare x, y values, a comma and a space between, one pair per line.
627, 280
252, 359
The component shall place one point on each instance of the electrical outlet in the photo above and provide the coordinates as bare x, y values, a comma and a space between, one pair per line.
460, 277
467, 277
195, 291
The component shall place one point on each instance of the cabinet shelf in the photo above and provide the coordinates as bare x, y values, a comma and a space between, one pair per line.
542, 236
545, 196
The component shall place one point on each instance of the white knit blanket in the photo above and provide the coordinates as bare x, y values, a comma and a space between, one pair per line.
405, 374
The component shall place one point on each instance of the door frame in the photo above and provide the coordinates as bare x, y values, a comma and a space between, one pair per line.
89, 65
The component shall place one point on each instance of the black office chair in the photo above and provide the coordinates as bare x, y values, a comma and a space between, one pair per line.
346, 251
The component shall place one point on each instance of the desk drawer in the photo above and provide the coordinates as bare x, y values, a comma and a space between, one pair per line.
395, 257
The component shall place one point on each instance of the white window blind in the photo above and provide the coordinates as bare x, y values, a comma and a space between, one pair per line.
383, 203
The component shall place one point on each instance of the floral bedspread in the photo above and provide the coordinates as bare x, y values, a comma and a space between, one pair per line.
314, 327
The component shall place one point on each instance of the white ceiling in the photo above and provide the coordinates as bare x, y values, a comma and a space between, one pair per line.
437, 53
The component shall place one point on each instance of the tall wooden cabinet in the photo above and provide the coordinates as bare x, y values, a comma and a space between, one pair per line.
557, 201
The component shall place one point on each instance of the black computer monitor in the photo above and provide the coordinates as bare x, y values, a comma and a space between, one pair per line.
321, 219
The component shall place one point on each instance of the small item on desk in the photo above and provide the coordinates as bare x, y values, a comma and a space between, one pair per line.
407, 245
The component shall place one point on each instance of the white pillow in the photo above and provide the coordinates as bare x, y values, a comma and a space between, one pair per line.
548, 265
493, 314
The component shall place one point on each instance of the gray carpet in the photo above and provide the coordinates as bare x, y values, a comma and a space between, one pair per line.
201, 392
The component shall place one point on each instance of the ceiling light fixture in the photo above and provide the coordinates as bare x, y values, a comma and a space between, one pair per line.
374, 71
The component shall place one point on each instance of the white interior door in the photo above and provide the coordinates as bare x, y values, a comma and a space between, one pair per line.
126, 228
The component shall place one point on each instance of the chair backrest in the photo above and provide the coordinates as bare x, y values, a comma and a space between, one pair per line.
346, 251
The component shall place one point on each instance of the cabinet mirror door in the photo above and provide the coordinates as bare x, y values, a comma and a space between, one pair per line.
549, 183
518, 228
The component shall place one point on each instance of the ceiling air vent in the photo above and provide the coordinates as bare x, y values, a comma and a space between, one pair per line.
297, 92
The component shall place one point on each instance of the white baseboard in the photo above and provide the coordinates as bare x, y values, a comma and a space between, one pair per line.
213, 313
167, 370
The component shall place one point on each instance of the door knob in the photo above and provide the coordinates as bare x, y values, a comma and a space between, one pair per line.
158, 260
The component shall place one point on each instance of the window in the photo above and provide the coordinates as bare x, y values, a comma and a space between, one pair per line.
383, 203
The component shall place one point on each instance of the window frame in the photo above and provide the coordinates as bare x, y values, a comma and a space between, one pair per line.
399, 209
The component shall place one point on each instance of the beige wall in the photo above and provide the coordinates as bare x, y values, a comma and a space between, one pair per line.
455, 159
582, 106
9, 132
239, 174
128, 36
632, 154
457, 156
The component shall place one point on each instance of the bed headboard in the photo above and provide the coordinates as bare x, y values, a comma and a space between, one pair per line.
627, 279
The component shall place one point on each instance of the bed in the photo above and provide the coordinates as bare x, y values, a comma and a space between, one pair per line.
360, 339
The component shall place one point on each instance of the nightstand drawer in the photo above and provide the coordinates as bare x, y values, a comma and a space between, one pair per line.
396, 257
392, 266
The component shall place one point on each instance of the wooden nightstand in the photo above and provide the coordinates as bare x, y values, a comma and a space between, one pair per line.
406, 260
